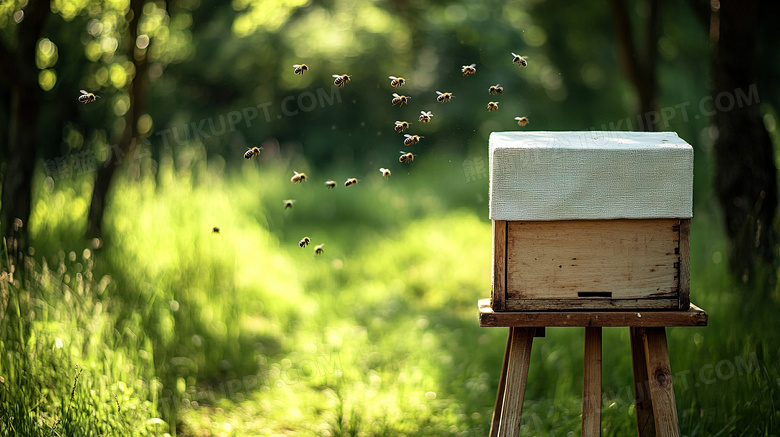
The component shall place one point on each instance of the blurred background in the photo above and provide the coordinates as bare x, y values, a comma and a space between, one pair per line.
152, 279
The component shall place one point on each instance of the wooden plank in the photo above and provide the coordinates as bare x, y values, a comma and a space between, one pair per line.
685, 258
669, 303
645, 422
559, 259
516, 378
695, 316
660, 381
591, 386
494, 424
498, 289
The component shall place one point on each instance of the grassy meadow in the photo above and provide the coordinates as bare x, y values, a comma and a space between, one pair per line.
168, 327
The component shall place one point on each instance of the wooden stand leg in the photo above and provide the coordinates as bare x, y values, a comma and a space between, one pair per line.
660, 379
501, 385
591, 387
516, 378
645, 422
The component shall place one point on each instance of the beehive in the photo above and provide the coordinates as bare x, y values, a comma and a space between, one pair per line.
590, 220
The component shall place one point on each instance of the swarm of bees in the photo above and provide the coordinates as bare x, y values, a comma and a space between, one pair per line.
298, 177
396, 82
87, 97
401, 126
400, 100
300, 69
443, 97
254, 151
341, 80
519, 60
469, 69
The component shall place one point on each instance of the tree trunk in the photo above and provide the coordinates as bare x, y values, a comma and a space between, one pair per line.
746, 181
127, 141
25, 107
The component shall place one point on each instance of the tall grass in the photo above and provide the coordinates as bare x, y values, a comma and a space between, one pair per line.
243, 332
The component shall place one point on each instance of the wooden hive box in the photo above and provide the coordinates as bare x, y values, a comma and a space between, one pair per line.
590, 220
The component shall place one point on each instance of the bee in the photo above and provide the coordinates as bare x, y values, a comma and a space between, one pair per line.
395, 82
304, 241
318, 249
496, 89
254, 151
300, 69
288, 204
350, 182
215, 230
341, 80
330, 184
406, 157
492, 106
411, 139
519, 60
469, 69
400, 100
401, 126
298, 177
86, 97
443, 97
385, 172
521, 121
425, 117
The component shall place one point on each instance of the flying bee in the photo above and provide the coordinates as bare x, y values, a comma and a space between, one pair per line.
298, 177
304, 241
330, 184
350, 182
86, 97
288, 204
492, 106
401, 126
254, 151
519, 60
395, 82
385, 172
318, 249
411, 139
521, 121
469, 69
496, 89
425, 117
300, 69
443, 97
215, 230
341, 80
400, 100
406, 157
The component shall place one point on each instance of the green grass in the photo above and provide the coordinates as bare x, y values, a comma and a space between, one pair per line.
245, 333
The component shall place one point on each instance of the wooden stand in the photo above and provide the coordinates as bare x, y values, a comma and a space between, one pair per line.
656, 410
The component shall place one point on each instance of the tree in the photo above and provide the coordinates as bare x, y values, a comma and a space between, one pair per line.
21, 73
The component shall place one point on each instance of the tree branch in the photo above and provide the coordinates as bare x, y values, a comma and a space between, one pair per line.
625, 43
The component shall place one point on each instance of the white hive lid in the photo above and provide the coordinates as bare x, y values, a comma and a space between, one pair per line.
590, 175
